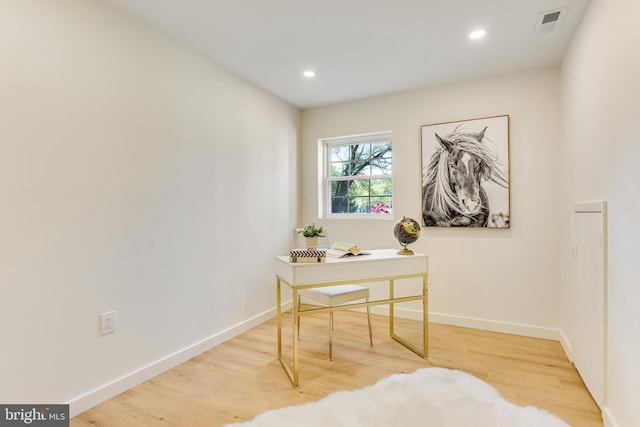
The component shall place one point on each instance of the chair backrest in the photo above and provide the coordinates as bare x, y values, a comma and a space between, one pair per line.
299, 239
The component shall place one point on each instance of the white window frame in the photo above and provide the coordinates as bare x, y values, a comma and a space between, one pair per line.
325, 178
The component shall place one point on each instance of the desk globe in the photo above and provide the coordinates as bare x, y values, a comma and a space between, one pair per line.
407, 231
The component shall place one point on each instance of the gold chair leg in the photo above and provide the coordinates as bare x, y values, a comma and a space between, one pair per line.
331, 328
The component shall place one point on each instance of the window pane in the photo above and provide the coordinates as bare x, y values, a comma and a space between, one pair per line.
339, 188
340, 169
362, 168
381, 205
381, 158
339, 205
381, 166
340, 153
381, 148
381, 187
361, 151
360, 160
350, 205
359, 188
359, 205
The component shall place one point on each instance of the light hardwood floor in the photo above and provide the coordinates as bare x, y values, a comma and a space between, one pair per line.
241, 378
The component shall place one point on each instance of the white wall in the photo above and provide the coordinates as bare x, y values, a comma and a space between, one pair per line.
134, 176
505, 280
601, 142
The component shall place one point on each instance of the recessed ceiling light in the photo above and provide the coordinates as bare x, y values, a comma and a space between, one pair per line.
478, 34
308, 74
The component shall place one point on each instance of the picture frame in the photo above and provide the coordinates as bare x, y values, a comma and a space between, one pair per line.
465, 173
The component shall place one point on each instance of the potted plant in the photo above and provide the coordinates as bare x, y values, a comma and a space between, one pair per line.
311, 233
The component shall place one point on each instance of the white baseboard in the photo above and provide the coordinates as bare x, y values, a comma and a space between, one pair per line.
105, 392
608, 418
497, 326
471, 322
566, 345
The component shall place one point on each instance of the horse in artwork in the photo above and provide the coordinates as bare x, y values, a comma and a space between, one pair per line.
452, 191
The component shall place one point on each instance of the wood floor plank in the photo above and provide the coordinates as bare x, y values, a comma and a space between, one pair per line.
242, 377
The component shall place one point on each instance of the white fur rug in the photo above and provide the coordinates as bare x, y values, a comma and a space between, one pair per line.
430, 397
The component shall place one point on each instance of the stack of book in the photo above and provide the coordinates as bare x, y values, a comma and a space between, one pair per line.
307, 255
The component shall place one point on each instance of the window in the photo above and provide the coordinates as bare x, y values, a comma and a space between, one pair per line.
356, 175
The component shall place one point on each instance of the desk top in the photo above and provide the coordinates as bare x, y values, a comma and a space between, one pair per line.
380, 263
374, 255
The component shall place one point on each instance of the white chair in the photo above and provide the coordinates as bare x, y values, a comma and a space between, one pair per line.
335, 295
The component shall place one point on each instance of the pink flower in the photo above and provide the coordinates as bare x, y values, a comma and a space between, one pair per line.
380, 208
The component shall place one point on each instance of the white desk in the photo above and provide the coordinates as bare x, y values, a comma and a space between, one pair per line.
381, 266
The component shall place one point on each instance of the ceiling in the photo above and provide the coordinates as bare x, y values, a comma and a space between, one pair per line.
362, 48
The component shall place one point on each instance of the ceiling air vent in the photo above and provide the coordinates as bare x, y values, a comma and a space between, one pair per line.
549, 21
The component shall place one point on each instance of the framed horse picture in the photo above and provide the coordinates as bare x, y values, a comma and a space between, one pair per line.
465, 173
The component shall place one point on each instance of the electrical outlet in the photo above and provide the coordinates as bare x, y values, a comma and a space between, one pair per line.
107, 322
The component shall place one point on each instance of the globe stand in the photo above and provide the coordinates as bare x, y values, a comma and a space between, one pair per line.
406, 231
405, 251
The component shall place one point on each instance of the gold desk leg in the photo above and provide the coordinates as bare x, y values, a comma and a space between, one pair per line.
296, 337
391, 308
279, 308
425, 316
292, 374
422, 352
